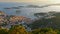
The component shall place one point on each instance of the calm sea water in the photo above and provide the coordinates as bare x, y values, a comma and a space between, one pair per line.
27, 12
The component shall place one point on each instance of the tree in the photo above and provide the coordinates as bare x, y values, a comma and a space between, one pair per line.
3, 31
44, 31
17, 29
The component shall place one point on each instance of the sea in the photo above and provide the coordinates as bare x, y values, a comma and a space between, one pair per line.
26, 11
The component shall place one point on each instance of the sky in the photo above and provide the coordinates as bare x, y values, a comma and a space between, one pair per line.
32, 1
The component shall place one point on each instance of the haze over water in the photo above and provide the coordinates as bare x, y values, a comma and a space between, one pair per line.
27, 12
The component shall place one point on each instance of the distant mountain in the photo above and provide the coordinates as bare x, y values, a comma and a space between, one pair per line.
33, 6
13, 5
49, 5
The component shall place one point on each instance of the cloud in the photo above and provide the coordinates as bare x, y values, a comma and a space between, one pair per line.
33, 1
17, 1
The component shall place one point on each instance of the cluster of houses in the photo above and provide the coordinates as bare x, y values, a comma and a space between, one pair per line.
7, 20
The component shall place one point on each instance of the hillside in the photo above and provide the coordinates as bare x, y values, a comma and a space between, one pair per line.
43, 22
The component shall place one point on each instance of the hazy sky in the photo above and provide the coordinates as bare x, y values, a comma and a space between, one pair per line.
33, 1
